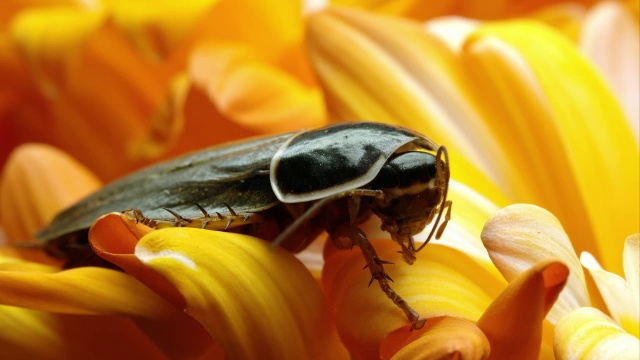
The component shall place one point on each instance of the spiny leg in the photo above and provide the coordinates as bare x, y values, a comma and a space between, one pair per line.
219, 222
346, 237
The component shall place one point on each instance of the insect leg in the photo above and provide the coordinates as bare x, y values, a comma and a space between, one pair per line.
317, 206
375, 265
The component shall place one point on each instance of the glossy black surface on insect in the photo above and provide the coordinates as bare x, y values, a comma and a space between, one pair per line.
287, 189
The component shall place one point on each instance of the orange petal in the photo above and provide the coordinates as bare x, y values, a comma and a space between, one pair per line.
254, 93
513, 322
587, 333
519, 236
443, 281
37, 182
114, 237
240, 291
48, 36
442, 338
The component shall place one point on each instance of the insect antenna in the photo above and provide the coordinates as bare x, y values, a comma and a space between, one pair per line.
442, 170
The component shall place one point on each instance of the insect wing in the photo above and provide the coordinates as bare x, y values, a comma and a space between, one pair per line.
234, 174
324, 162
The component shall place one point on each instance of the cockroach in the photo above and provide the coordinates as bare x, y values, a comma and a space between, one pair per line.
287, 189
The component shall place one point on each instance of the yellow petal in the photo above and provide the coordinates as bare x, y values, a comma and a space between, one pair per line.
97, 291
442, 338
470, 212
566, 17
513, 322
47, 36
611, 40
241, 292
587, 333
37, 182
376, 68
254, 93
408, 8
620, 296
157, 28
30, 334
631, 264
519, 236
443, 281
564, 131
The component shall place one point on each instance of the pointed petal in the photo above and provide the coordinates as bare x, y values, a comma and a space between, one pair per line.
442, 338
587, 333
374, 67
443, 281
254, 93
611, 40
38, 181
240, 291
519, 236
513, 322
559, 94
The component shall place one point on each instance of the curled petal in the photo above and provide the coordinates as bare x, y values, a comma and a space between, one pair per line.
241, 291
587, 333
513, 322
38, 181
254, 93
442, 338
620, 296
114, 237
443, 281
519, 236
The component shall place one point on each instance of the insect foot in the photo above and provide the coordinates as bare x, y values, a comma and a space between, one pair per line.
375, 265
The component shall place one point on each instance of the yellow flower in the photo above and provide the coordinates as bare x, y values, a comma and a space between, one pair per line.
526, 118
